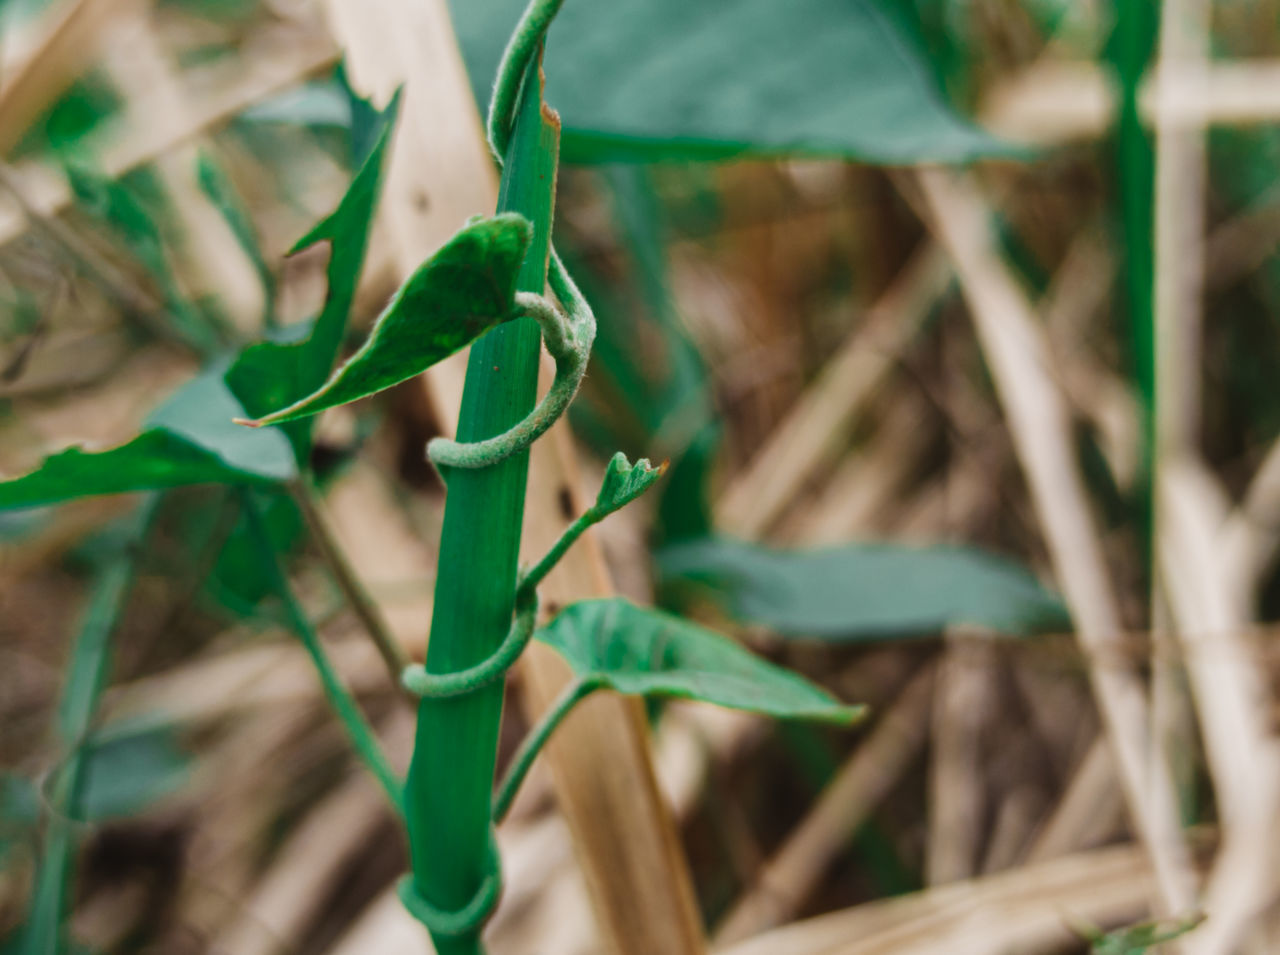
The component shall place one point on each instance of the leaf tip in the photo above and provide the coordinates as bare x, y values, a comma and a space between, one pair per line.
250, 422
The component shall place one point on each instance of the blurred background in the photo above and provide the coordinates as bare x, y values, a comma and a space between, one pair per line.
957, 321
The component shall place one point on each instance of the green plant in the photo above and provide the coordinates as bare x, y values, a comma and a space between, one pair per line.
485, 286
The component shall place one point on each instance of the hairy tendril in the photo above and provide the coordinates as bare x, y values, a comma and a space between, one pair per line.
568, 331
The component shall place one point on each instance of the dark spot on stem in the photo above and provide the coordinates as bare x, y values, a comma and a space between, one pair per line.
566, 502
421, 202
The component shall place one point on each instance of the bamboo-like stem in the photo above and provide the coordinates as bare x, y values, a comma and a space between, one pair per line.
304, 494
522, 762
451, 774
353, 721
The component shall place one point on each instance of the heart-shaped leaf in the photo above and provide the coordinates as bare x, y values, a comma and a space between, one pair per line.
645, 652
864, 591
453, 298
190, 439
708, 79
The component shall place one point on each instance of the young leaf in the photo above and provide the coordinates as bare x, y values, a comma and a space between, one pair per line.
663, 79
624, 482
863, 591
190, 439
645, 652
453, 298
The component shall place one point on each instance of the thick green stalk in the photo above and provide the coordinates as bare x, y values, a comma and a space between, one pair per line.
451, 776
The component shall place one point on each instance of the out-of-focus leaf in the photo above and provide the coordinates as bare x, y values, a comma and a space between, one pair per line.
646, 373
190, 439
1141, 938
114, 204
237, 583
272, 374
863, 591
453, 298
645, 652
709, 79
126, 770
77, 113
684, 511
320, 103
215, 184
19, 812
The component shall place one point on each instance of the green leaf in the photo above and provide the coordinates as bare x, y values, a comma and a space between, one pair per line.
319, 103
709, 79
645, 652
624, 482
237, 583
202, 413
658, 404
684, 510
275, 373
453, 298
128, 769
863, 591
190, 439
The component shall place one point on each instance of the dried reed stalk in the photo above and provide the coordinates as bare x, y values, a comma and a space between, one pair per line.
1031, 909
1040, 426
794, 871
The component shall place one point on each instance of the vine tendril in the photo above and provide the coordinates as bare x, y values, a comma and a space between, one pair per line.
456, 923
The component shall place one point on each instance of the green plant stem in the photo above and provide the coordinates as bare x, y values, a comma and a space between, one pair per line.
89, 667
569, 697
535, 574
307, 499
451, 775
362, 736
